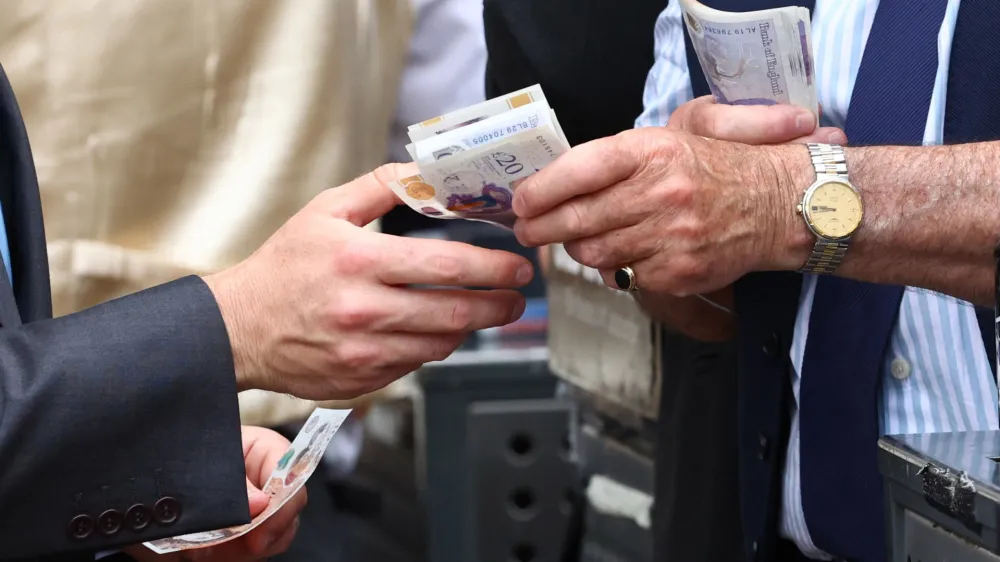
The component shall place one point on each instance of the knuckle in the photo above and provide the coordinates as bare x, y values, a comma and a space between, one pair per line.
450, 268
353, 316
460, 318
575, 221
690, 230
678, 192
355, 257
680, 118
704, 124
356, 355
688, 271
586, 253
351, 311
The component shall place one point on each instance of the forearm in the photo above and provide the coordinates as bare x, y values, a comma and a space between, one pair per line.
932, 217
121, 404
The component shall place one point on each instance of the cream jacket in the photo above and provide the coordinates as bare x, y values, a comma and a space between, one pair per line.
173, 137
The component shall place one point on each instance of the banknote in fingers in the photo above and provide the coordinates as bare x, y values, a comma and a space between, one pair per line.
294, 468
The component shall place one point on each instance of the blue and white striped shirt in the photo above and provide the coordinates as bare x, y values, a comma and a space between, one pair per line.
936, 375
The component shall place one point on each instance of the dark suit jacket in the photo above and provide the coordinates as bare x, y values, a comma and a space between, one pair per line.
592, 57
121, 405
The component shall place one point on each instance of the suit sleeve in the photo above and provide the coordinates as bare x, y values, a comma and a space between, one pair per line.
119, 424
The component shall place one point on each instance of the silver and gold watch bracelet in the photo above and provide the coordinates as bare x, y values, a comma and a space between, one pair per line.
830, 164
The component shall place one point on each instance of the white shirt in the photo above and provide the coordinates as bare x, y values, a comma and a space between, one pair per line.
936, 376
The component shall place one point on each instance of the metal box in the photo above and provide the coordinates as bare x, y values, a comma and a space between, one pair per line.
523, 479
600, 340
449, 389
942, 496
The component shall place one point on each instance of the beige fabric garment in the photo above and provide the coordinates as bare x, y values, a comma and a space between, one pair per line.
174, 136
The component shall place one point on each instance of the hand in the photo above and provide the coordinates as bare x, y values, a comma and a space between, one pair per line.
321, 311
752, 124
689, 214
262, 448
743, 124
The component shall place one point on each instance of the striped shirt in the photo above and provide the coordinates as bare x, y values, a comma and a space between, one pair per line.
936, 376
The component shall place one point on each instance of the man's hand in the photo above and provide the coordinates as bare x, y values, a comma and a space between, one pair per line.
262, 449
752, 124
704, 117
689, 214
322, 309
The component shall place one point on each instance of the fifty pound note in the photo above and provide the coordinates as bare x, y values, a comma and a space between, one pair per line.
294, 468
754, 58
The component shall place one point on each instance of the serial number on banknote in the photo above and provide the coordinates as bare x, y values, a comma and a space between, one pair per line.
487, 137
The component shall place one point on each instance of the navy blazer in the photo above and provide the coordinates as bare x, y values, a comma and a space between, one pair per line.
119, 424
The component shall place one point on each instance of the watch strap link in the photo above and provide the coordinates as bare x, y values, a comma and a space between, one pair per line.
825, 257
828, 160
830, 163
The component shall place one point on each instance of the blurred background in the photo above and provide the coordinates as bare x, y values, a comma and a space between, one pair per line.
174, 136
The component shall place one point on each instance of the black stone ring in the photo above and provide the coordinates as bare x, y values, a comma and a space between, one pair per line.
625, 279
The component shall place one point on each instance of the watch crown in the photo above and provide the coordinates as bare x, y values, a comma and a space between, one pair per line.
798, 207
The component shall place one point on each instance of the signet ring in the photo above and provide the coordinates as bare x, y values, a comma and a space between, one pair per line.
625, 279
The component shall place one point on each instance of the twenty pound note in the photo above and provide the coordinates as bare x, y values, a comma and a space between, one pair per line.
477, 181
294, 468
754, 58
472, 160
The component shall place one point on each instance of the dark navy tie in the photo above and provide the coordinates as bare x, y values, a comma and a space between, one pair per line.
851, 322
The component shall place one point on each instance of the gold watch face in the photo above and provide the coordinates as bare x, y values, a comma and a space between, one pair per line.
834, 210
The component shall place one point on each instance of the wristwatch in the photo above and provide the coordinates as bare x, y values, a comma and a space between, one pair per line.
831, 207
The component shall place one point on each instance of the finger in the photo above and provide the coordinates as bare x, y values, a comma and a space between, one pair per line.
828, 135
258, 500
366, 198
584, 169
267, 535
748, 124
382, 358
414, 261
284, 542
431, 311
588, 215
616, 248
262, 449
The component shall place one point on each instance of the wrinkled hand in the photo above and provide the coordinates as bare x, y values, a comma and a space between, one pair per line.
689, 214
752, 124
262, 448
322, 311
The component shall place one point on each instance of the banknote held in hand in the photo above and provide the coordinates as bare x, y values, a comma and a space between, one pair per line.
472, 160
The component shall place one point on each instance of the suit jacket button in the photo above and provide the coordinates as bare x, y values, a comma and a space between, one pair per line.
772, 346
81, 526
166, 511
138, 517
110, 522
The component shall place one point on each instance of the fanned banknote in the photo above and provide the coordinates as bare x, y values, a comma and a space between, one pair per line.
472, 160
474, 113
294, 468
754, 58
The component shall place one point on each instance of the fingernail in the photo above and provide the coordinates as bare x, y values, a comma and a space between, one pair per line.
837, 137
524, 274
805, 122
518, 311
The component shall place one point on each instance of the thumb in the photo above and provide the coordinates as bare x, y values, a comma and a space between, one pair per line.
258, 499
368, 197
